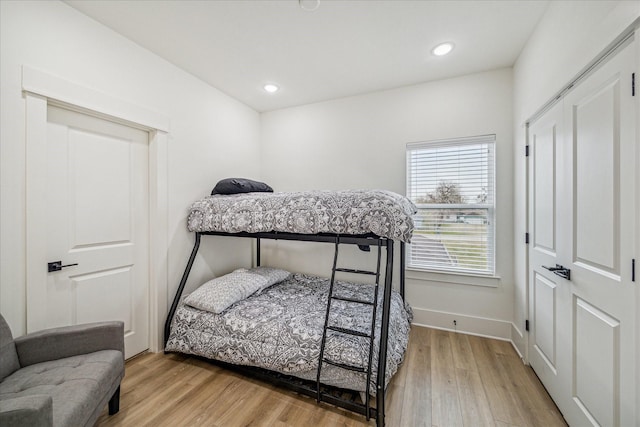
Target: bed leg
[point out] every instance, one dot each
(384, 336)
(380, 408)
(258, 257)
(402, 267)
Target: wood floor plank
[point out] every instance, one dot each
(246, 406)
(447, 379)
(328, 415)
(267, 411)
(474, 404)
(462, 353)
(222, 402)
(162, 398)
(416, 408)
(501, 424)
(145, 380)
(445, 405)
(193, 406)
(547, 403)
(473, 399)
(501, 347)
(295, 414)
(502, 404)
(533, 408)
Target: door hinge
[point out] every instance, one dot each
(633, 84)
(633, 270)
(526, 150)
(526, 238)
(526, 325)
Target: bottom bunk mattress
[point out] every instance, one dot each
(280, 329)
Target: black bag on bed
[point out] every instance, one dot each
(240, 185)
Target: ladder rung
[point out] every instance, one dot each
(349, 331)
(359, 301)
(345, 366)
(355, 271)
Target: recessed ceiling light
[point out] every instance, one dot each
(309, 5)
(271, 88)
(442, 49)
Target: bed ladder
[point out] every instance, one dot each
(370, 335)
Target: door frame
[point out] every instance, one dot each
(41, 89)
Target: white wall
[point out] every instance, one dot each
(360, 142)
(212, 136)
(566, 39)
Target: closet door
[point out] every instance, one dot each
(585, 323)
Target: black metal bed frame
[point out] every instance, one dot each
(326, 394)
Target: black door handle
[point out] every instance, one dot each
(57, 266)
(560, 271)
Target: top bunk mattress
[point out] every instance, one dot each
(354, 212)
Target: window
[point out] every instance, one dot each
(452, 184)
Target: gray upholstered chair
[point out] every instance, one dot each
(62, 376)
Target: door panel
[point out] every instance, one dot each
(93, 158)
(596, 179)
(597, 349)
(544, 188)
(544, 337)
(97, 218)
(103, 295)
(584, 328)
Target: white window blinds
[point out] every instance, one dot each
(452, 184)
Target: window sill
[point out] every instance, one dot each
(453, 278)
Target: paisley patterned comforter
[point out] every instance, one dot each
(354, 212)
(280, 329)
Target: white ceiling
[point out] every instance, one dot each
(342, 48)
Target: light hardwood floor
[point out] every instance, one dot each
(447, 380)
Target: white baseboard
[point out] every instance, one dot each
(519, 342)
(490, 328)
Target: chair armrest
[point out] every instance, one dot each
(58, 343)
(36, 410)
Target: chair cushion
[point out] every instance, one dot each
(9, 362)
(32, 411)
(76, 384)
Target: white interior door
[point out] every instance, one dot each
(583, 213)
(97, 222)
(547, 292)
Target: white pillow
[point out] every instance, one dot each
(271, 274)
(218, 294)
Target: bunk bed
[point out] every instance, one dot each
(337, 341)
